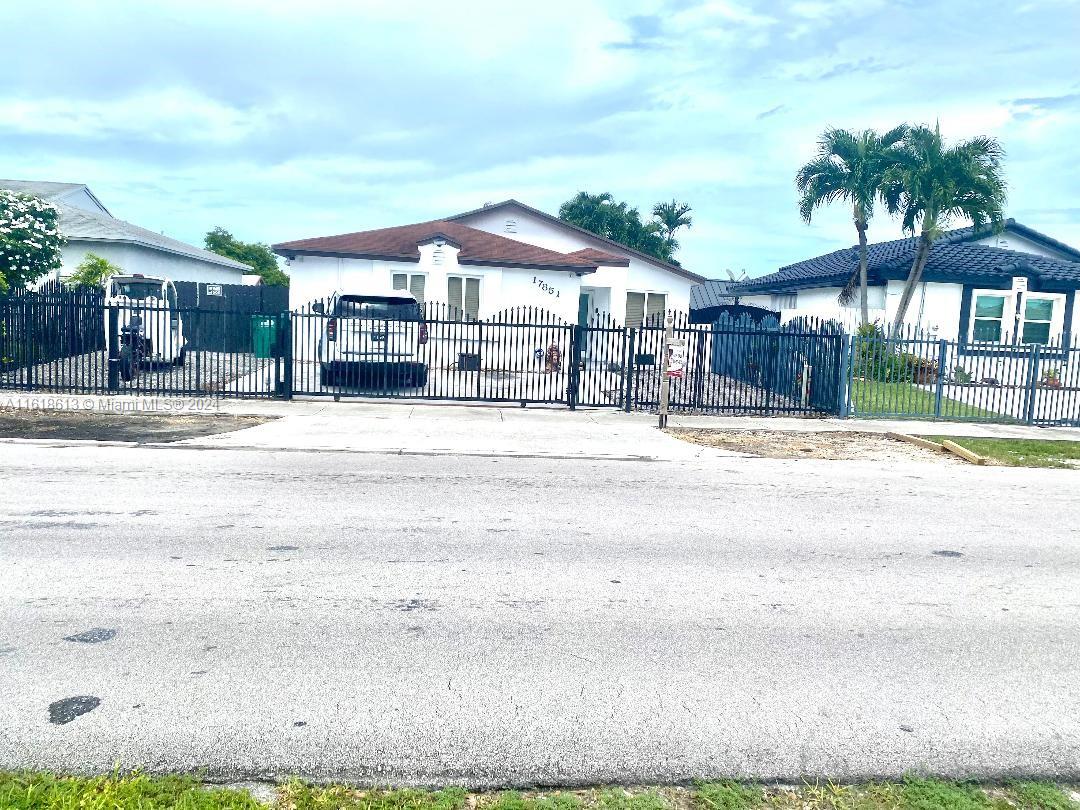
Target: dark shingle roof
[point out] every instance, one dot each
(954, 257)
(401, 244)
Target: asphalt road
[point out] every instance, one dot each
(497, 620)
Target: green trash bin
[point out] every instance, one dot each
(263, 335)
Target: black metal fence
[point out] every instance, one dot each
(915, 375)
(523, 355)
(66, 341)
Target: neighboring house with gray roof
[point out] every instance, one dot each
(1017, 286)
(89, 227)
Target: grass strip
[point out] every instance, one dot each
(1049, 453)
(42, 791)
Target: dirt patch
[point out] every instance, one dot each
(837, 446)
(123, 427)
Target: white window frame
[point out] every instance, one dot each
(645, 311)
(1057, 314)
(1013, 315)
(479, 292)
(1008, 310)
(409, 281)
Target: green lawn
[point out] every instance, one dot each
(871, 397)
(1062, 455)
(136, 792)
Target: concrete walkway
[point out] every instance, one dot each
(441, 429)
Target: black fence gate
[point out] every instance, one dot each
(73, 342)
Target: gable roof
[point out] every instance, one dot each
(954, 257)
(598, 256)
(81, 225)
(618, 248)
(402, 243)
(50, 191)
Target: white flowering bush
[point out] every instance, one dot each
(30, 239)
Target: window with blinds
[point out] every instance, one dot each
(655, 307)
(413, 282)
(463, 297)
(635, 310)
(645, 309)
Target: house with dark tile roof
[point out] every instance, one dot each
(1016, 286)
(489, 260)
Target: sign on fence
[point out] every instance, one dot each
(676, 357)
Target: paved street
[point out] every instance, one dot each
(415, 618)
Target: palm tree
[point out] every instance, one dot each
(851, 167)
(670, 216)
(939, 182)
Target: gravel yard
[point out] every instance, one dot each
(204, 372)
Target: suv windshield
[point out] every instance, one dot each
(369, 306)
(137, 290)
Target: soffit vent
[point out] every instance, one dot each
(511, 226)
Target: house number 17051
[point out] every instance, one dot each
(545, 287)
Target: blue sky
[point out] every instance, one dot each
(281, 120)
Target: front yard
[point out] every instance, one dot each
(872, 398)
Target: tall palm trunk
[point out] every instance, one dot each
(922, 255)
(864, 305)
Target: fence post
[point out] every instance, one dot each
(943, 348)
(630, 372)
(699, 370)
(847, 343)
(28, 341)
(287, 356)
(1032, 384)
(575, 360)
(114, 349)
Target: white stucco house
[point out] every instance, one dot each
(89, 227)
(1016, 286)
(489, 260)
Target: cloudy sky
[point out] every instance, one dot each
(281, 120)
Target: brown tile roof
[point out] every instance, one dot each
(671, 268)
(400, 243)
(598, 256)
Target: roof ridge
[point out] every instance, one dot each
(674, 268)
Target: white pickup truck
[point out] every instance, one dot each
(373, 339)
(151, 329)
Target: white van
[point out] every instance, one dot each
(151, 330)
(373, 338)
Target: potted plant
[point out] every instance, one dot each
(1051, 378)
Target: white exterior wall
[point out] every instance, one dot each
(501, 288)
(640, 276)
(934, 307)
(149, 262)
(1010, 240)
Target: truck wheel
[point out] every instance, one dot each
(419, 375)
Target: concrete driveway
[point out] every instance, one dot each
(520, 620)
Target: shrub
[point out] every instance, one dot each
(30, 240)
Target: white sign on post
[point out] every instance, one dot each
(676, 358)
